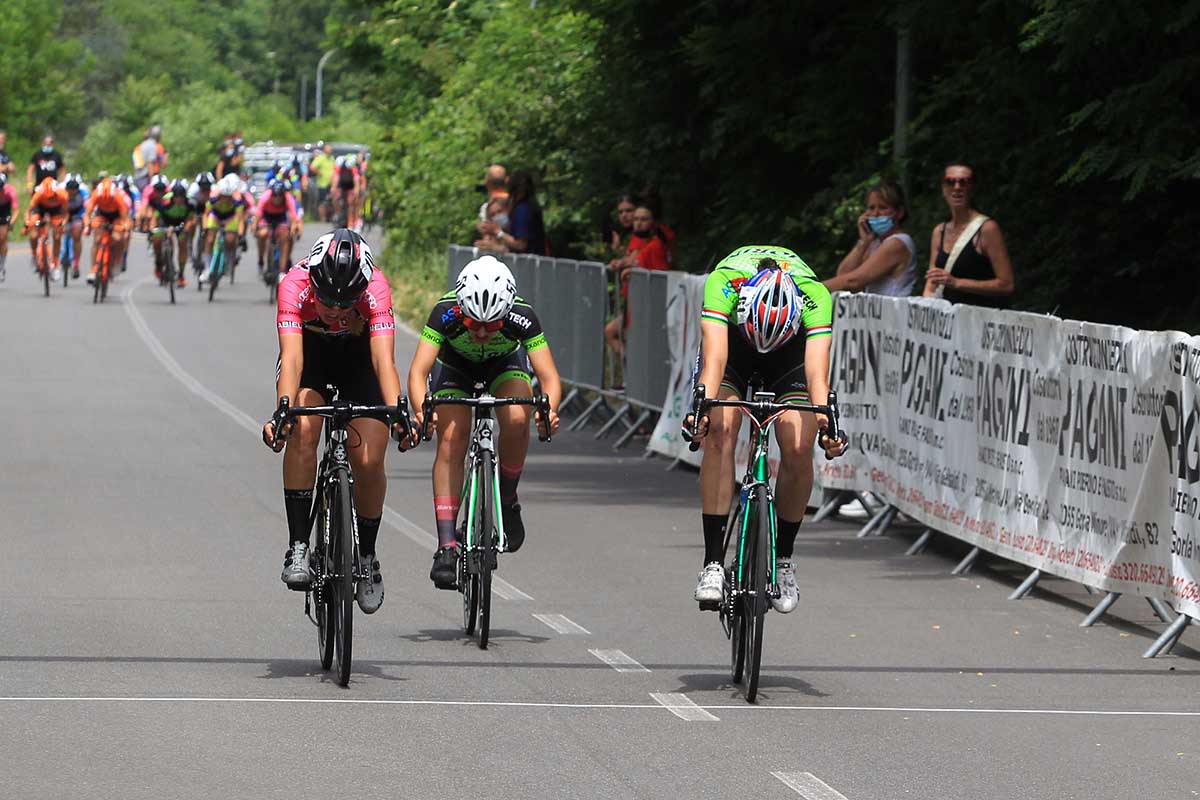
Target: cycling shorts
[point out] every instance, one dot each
(56, 216)
(5, 218)
(273, 220)
(780, 371)
(214, 222)
(345, 362)
(108, 218)
(455, 376)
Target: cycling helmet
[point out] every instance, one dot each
(295, 162)
(3, 179)
(160, 183)
(486, 289)
(351, 160)
(74, 181)
(105, 189)
(277, 187)
(228, 185)
(179, 186)
(205, 180)
(768, 310)
(340, 266)
(48, 184)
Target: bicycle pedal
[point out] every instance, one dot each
(710, 605)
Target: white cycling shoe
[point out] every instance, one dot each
(710, 586)
(369, 591)
(789, 593)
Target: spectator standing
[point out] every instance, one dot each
(968, 259)
(648, 249)
(321, 168)
(149, 158)
(6, 164)
(616, 236)
(885, 259)
(526, 231)
(496, 210)
(47, 162)
(492, 224)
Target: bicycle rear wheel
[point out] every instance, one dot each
(67, 256)
(486, 540)
(343, 580)
(755, 607)
(325, 564)
(169, 266)
(218, 267)
(44, 263)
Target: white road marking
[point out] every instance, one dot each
(760, 709)
(683, 707)
(809, 786)
(401, 523)
(560, 624)
(618, 660)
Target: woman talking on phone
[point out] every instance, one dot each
(884, 261)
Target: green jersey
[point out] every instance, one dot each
(520, 328)
(724, 282)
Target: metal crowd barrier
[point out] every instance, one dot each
(571, 299)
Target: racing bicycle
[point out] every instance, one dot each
(103, 262)
(170, 272)
(329, 601)
(482, 526)
(750, 581)
(41, 246)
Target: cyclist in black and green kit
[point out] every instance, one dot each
(172, 210)
(765, 314)
(480, 333)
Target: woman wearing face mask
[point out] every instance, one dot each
(885, 259)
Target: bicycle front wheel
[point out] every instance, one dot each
(214, 274)
(732, 605)
(342, 596)
(486, 539)
(44, 264)
(169, 266)
(755, 606)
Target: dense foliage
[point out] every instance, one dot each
(757, 120)
(764, 121)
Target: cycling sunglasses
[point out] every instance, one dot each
(490, 327)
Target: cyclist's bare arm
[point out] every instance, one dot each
(816, 373)
(714, 353)
(291, 365)
(547, 374)
(383, 359)
(418, 376)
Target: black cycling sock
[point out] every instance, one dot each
(714, 537)
(368, 529)
(298, 505)
(785, 537)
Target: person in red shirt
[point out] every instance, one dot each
(648, 249)
(10, 206)
(50, 202)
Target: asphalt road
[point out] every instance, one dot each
(149, 649)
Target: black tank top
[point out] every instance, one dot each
(973, 265)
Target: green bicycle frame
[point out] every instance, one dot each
(761, 471)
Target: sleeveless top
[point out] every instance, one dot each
(971, 264)
(896, 285)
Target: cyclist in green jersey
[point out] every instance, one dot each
(173, 210)
(480, 333)
(765, 314)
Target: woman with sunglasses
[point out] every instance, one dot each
(335, 327)
(480, 333)
(976, 271)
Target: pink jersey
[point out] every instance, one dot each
(150, 200)
(272, 206)
(298, 309)
(9, 204)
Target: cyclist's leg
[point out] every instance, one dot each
(284, 232)
(4, 226)
(514, 445)
(77, 242)
(56, 233)
(120, 246)
(261, 235)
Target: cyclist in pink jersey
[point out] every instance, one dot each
(277, 210)
(10, 205)
(335, 327)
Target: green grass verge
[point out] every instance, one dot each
(418, 279)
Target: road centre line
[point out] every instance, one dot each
(401, 523)
(759, 709)
(618, 660)
(560, 624)
(809, 786)
(683, 707)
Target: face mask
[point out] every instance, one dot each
(880, 225)
(47, 149)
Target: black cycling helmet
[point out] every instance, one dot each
(277, 187)
(340, 266)
(179, 187)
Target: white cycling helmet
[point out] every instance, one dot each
(486, 289)
(229, 184)
(768, 310)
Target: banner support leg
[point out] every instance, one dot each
(606, 427)
(1026, 586)
(1169, 637)
(968, 561)
(830, 506)
(1160, 609)
(870, 526)
(673, 464)
(1103, 606)
(1089, 589)
(628, 434)
(919, 545)
(881, 529)
(582, 419)
(570, 398)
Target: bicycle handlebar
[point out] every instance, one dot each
(701, 404)
(389, 415)
(541, 405)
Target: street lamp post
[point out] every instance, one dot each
(320, 76)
